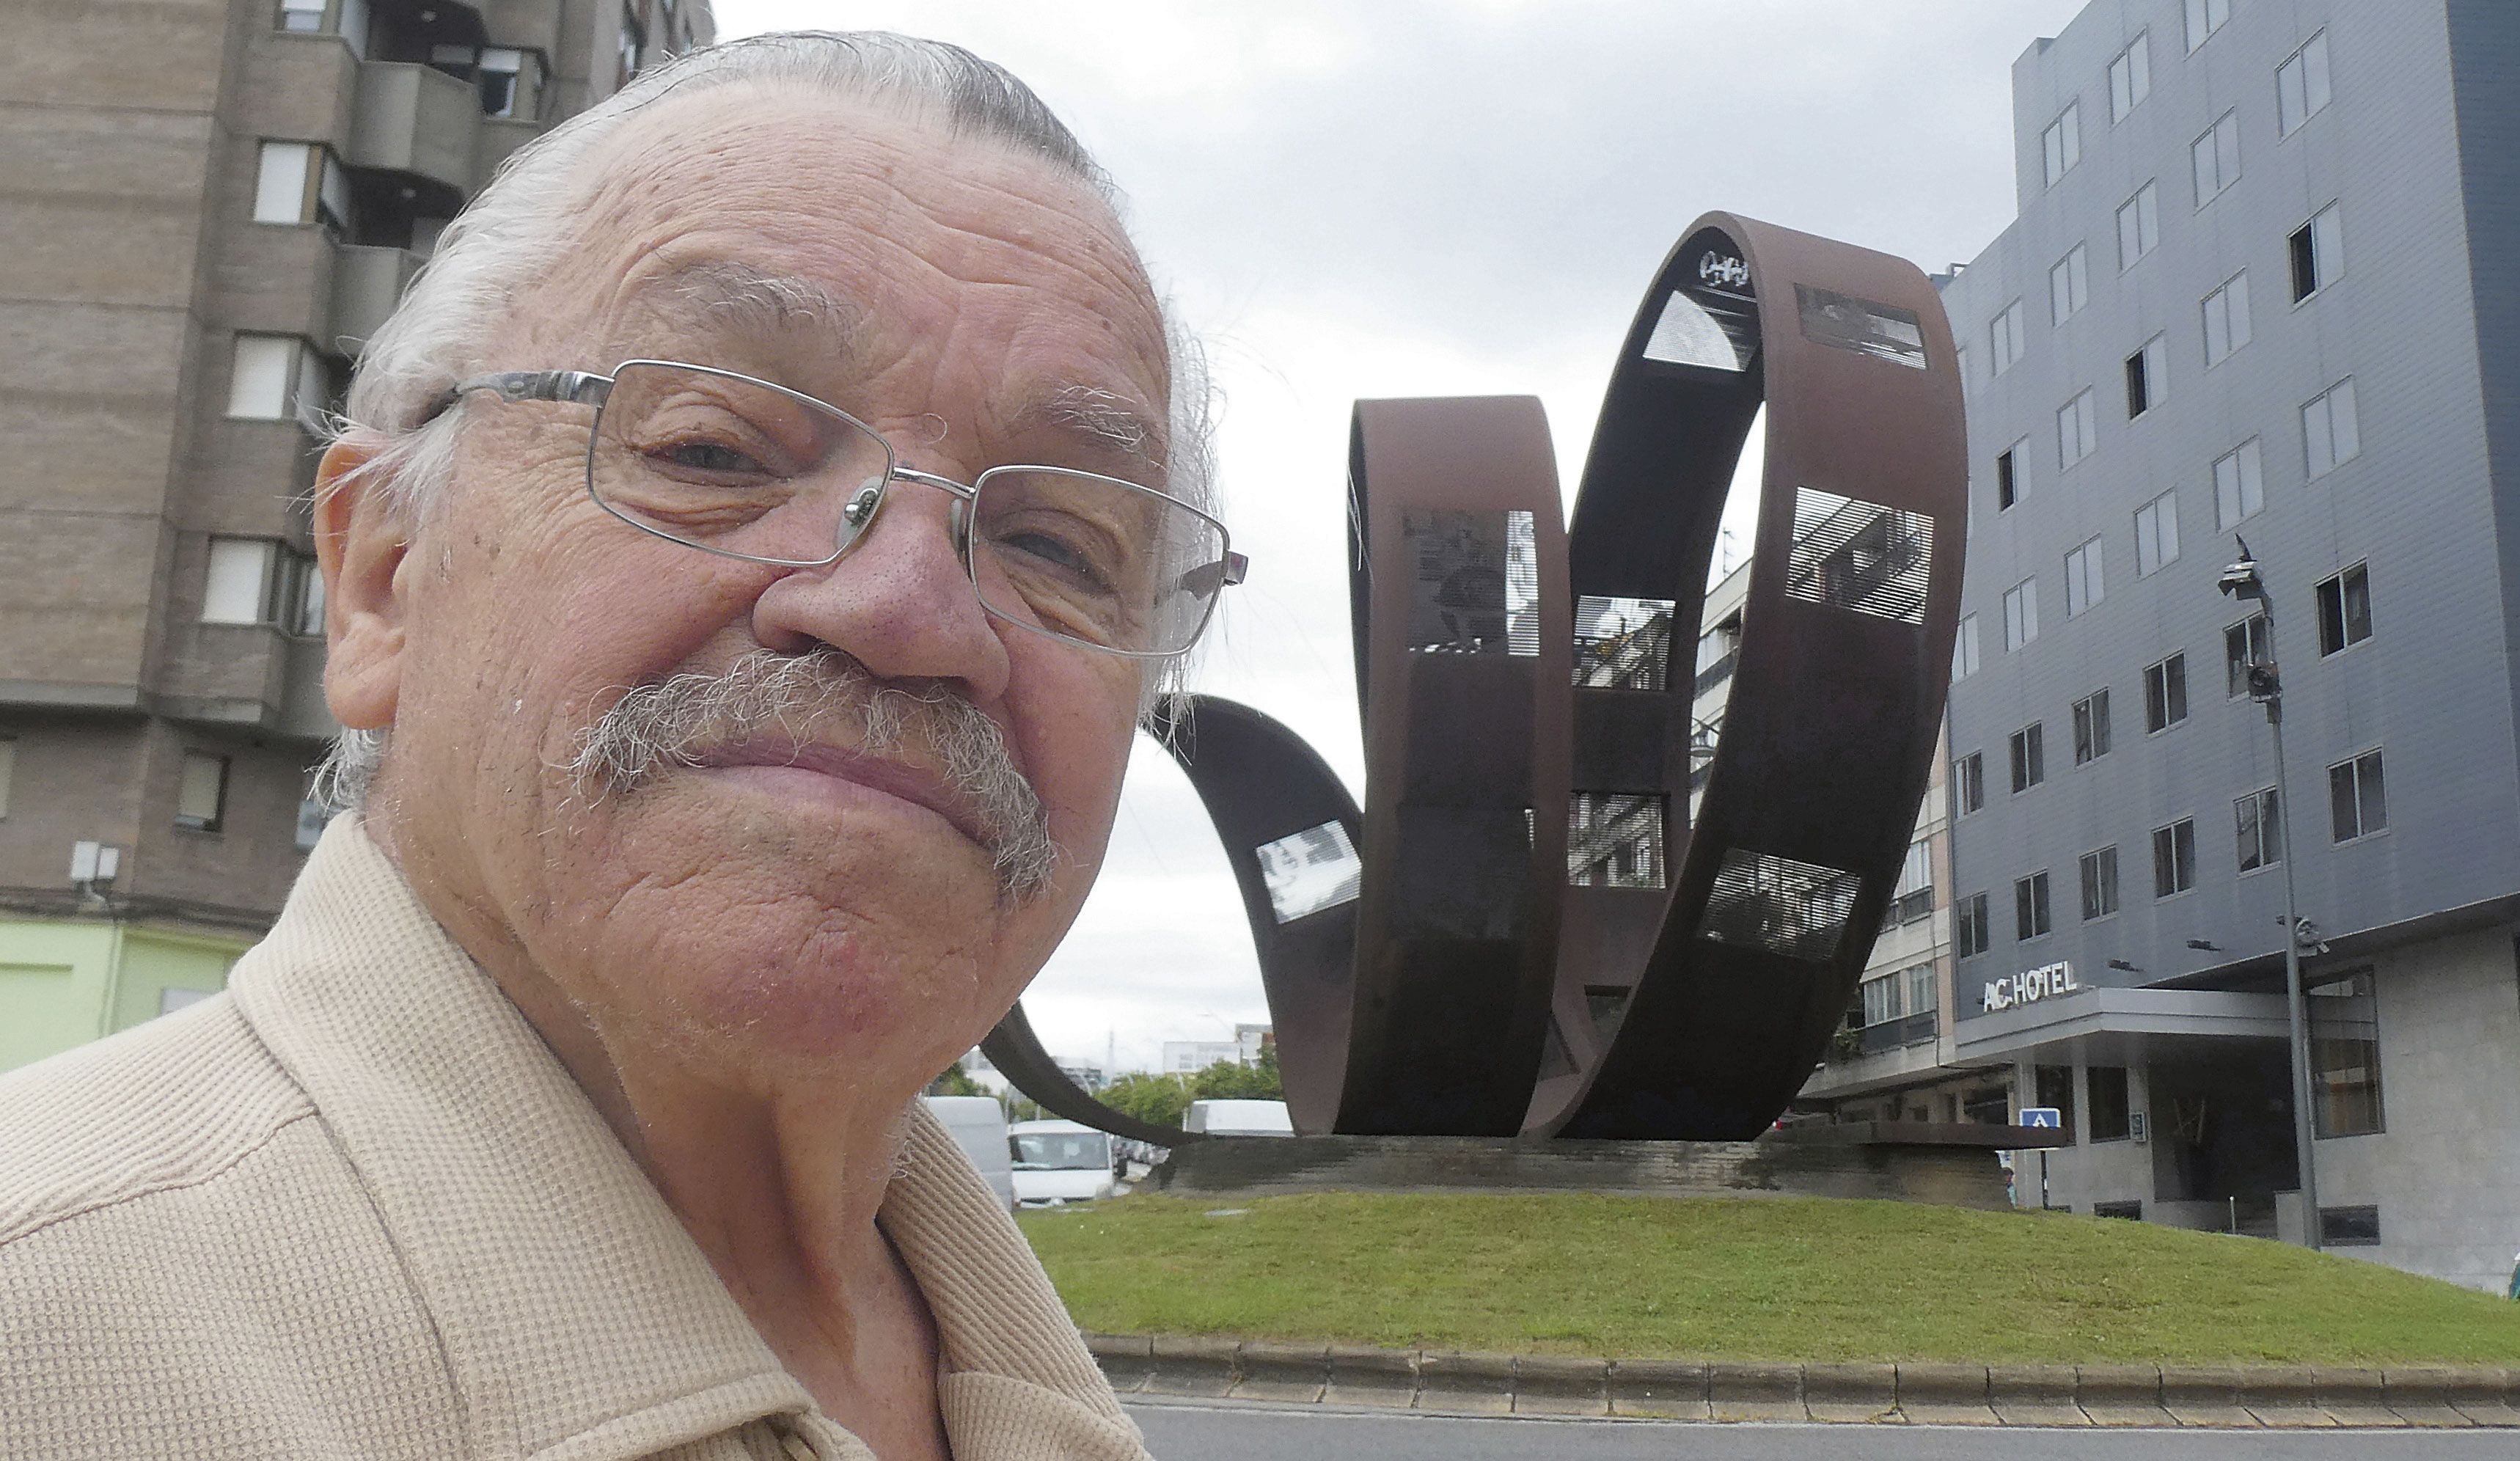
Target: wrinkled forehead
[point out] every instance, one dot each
(824, 243)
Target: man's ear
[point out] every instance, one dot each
(360, 541)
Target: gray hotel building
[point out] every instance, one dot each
(204, 207)
(2264, 284)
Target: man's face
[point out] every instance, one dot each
(757, 916)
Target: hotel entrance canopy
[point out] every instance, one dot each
(2110, 1027)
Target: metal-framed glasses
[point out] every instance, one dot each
(746, 469)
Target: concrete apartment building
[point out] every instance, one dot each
(2261, 282)
(204, 207)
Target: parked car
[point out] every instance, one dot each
(978, 1126)
(1238, 1119)
(1059, 1161)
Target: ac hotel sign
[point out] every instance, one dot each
(2030, 986)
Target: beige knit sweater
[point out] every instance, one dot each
(354, 1208)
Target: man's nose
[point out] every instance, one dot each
(900, 600)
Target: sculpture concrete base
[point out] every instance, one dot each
(1897, 1162)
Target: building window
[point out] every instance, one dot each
(2244, 644)
(280, 188)
(1964, 648)
(242, 584)
(2214, 158)
(2069, 285)
(2156, 533)
(2173, 857)
(1969, 920)
(511, 82)
(2344, 609)
(2147, 377)
(2100, 884)
(2006, 337)
(2111, 1109)
(1913, 896)
(2204, 17)
(277, 378)
(2008, 478)
(2317, 249)
(2129, 76)
(2056, 1087)
(201, 796)
(2078, 428)
(1969, 773)
(2062, 143)
(2258, 834)
(2344, 1054)
(306, 17)
(2164, 693)
(2227, 319)
(2331, 432)
(2239, 486)
(2358, 799)
(2020, 614)
(2139, 226)
(2090, 727)
(2084, 583)
(2029, 756)
(2350, 1227)
(2129, 1208)
(2030, 907)
(2301, 86)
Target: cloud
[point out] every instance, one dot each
(1413, 198)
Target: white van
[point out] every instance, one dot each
(1238, 1119)
(1059, 1161)
(978, 1126)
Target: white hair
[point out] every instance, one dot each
(502, 244)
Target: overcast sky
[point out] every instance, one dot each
(1410, 197)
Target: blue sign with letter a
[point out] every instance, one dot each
(2042, 1115)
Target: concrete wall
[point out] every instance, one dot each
(65, 982)
(2445, 1171)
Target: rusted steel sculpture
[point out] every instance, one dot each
(1520, 950)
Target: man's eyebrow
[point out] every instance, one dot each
(1105, 421)
(762, 304)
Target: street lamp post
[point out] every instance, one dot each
(2266, 686)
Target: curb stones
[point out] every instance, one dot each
(2353, 1397)
(2422, 1395)
(2203, 1395)
(2121, 1395)
(1851, 1392)
(2283, 1396)
(1469, 1384)
(1127, 1359)
(1755, 1391)
(1288, 1373)
(1197, 1367)
(1944, 1394)
(1384, 1378)
(2034, 1395)
(1659, 1388)
(1560, 1385)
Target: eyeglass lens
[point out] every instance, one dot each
(741, 468)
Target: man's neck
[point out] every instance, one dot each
(778, 1188)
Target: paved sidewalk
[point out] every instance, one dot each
(1941, 1394)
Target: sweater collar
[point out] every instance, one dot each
(573, 1310)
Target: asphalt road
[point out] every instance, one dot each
(1230, 1432)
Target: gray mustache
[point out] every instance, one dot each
(824, 694)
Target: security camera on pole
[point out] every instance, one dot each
(2266, 686)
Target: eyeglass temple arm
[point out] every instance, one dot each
(581, 387)
(1214, 576)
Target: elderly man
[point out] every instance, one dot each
(749, 552)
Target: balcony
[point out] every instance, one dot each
(368, 281)
(1906, 908)
(1897, 1035)
(417, 120)
(1718, 672)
